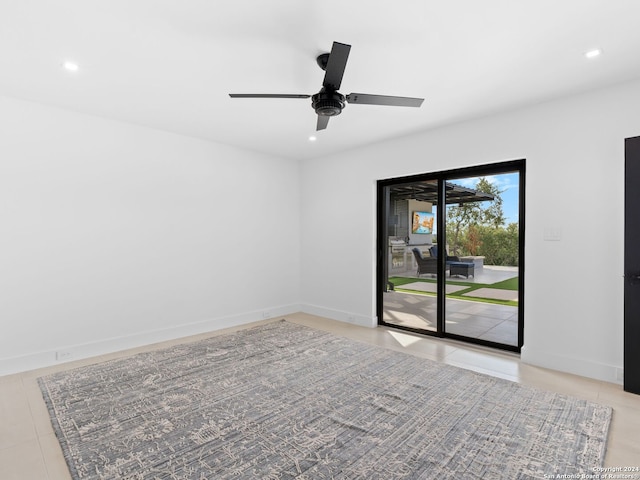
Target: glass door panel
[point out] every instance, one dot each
(410, 273)
(482, 258)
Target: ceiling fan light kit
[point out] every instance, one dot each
(328, 102)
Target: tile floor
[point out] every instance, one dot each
(486, 321)
(30, 451)
(494, 323)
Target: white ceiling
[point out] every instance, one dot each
(170, 64)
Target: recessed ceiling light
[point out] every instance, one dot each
(593, 53)
(70, 66)
(312, 138)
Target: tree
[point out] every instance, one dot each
(473, 240)
(500, 246)
(474, 214)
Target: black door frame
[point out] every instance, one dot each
(382, 244)
(631, 267)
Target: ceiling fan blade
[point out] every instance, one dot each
(335, 66)
(267, 95)
(366, 99)
(323, 121)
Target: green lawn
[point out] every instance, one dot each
(510, 284)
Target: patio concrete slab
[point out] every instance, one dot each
(464, 317)
(494, 293)
(431, 287)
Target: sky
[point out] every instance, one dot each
(508, 183)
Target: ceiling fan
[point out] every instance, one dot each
(328, 102)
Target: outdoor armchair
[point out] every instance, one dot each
(425, 264)
(433, 251)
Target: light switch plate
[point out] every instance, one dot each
(552, 234)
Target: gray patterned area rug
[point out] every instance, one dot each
(283, 401)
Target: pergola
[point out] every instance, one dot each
(428, 192)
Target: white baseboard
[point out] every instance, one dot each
(576, 366)
(32, 361)
(35, 360)
(348, 317)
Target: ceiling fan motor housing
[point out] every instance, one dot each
(328, 104)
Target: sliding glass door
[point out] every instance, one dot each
(451, 254)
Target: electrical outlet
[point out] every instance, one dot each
(266, 315)
(63, 355)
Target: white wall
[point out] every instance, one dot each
(113, 235)
(574, 149)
